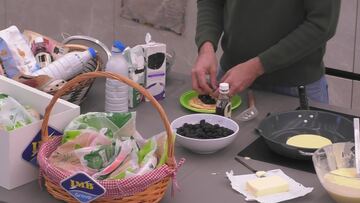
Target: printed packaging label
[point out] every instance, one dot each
(82, 187)
(31, 151)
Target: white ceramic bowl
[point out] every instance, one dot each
(205, 146)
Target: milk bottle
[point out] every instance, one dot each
(116, 92)
(68, 66)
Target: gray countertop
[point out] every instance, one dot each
(202, 177)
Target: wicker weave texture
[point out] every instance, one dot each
(152, 194)
(159, 178)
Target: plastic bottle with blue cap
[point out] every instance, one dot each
(68, 66)
(116, 92)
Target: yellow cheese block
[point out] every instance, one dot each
(308, 141)
(267, 186)
(344, 177)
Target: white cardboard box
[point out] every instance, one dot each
(14, 170)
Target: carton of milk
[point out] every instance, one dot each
(155, 67)
(135, 59)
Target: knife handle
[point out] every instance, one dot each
(304, 105)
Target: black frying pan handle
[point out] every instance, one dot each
(304, 105)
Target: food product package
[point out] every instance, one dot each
(35, 114)
(122, 151)
(135, 58)
(68, 156)
(15, 53)
(155, 67)
(107, 146)
(127, 168)
(2, 72)
(41, 82)
(55, 48)
(13, 115)
(147, 151)
(162, 147)
(115, 125)
(138, 162)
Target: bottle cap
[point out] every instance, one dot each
(92, 52)
(39, 40)
(224, 87)
(119, 45)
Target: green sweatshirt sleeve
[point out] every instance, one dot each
(209, 22)
(319, 26)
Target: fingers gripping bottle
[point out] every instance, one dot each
(116, 92)
(223, 103)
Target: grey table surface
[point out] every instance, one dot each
(202, 177)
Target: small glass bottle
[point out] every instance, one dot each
(42, 56)
(223, 103)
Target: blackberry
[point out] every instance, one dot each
(203, 130)
(207, 99)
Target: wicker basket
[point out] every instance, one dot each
(78, 94)
(149, 187)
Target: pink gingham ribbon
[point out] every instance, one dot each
(114, 188)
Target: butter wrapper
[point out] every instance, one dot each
(238, 183)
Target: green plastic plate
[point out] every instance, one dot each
(186, 96)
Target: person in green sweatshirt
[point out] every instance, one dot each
(274, 45)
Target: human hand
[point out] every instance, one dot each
(206, 64)
(242, 75)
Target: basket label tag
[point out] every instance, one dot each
(30, 152)
(82, 187)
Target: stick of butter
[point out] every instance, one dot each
(267, 186)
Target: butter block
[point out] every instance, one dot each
(267, 186)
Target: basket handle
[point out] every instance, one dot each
(142, 90)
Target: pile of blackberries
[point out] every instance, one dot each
(203, 130)
(207, 99)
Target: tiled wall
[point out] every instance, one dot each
(343, 53)
(356, 95)
(357, 47)
(340, 49)
(356, 84)
(340, 91)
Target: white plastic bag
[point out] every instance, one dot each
(15, 53)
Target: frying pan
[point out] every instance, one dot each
(276, 128)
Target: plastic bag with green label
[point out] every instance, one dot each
(138, 163)
(66, 155)
(12, 114)
(113, 125)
